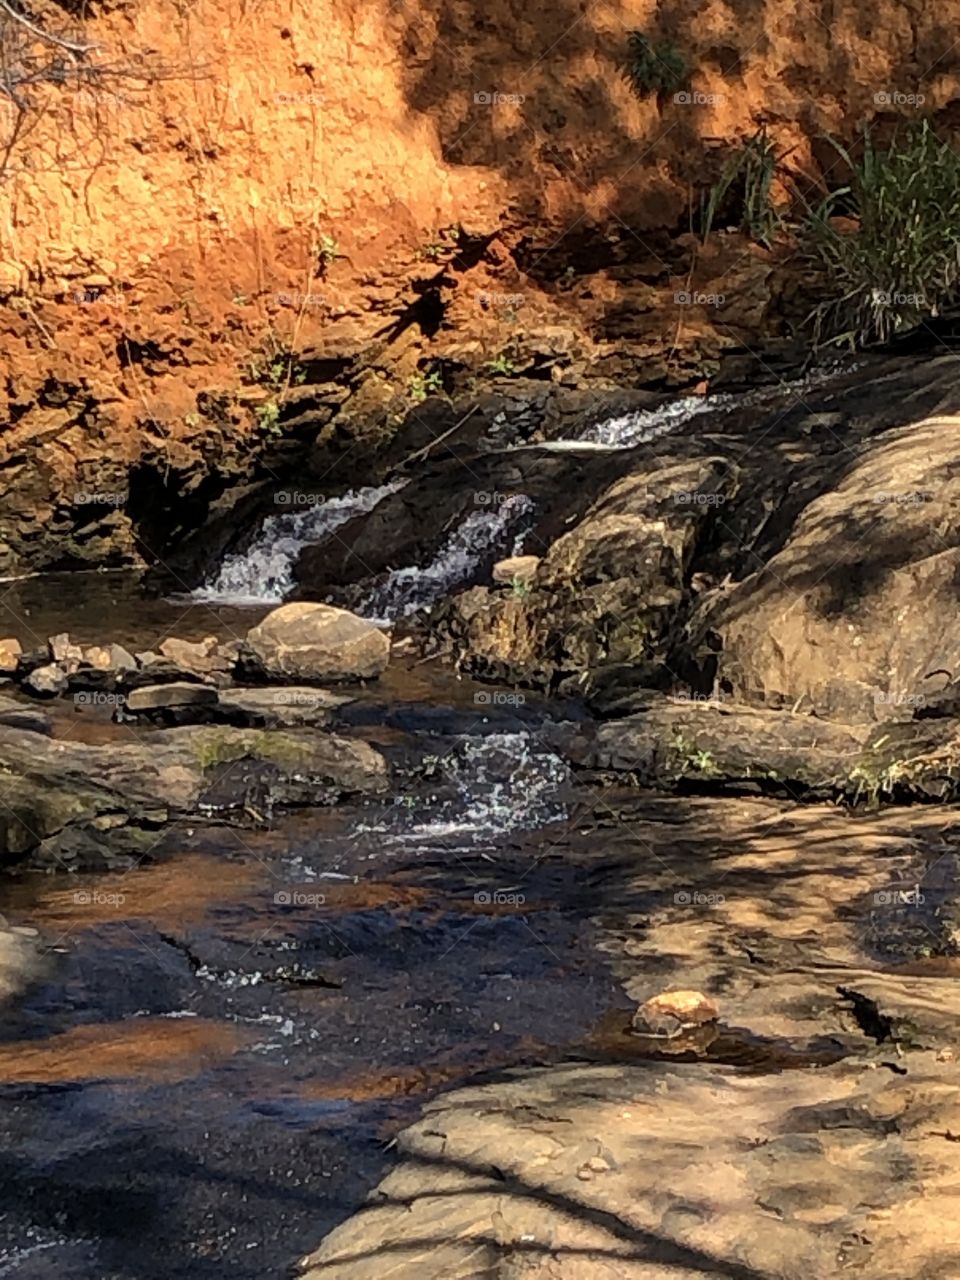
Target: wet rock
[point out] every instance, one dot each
(17, 716)
(22, 960)
(287, 706)
(10, 652)
(516, 569)
(109, 658)
(317, 642)
(71, 803)
(64, 651)
(672, 1012)
(163, 697)
(47, 681)
(206, 658)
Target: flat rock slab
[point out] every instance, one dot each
(656, 1172)
(160, 697)
(287, 706)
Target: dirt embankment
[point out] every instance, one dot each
(387, 191)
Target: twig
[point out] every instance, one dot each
(419, 453)
(69, 45)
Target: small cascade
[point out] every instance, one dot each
(484, 535)
(263, 573)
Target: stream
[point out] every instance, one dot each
(233, 1032)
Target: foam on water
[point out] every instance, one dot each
(496, 532)
(504, 782)
(643, 425)
(263, 574)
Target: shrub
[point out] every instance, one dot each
(746, 181)
(654, 68)
(900, 263)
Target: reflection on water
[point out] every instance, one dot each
(145, 1048)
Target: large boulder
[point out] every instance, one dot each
(855, 617)
(316, 642)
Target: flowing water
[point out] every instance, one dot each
(211, 1077)
(482, 535)
(263, 573)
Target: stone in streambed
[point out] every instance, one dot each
(10, 651)
(672, 1012)
(316, 642)
(109, 657)
(285, 707)
(207, 658)
(47, 681)
(164, 697)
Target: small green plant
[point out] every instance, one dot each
(747, 180)
(422, 385)
(446, 241)
(654, 68)
(268, 417)
(502, 364)
(327, 251)
(519, 587)
(896, 259)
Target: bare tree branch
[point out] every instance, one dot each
(44, 35)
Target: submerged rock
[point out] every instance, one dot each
(317, 642)
(22, 960)
(672, 1012)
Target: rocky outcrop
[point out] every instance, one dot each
(316, 642)
(71, 804)
(855, 618)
